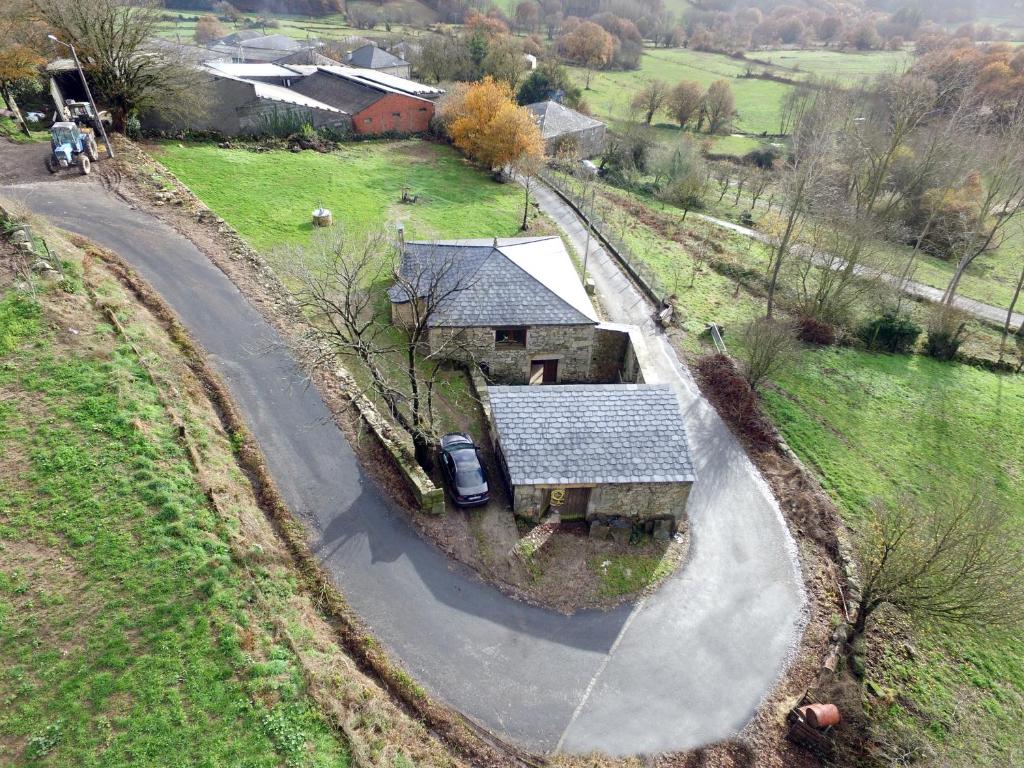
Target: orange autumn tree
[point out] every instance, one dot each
(18, 61)
(487, 125)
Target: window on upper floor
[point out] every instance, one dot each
(510, 337)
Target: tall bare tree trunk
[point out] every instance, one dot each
(1009, 315)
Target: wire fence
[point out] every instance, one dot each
(583, 200)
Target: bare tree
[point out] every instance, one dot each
(876, 135)
(1001, 172)
(808, 165)
(837, 264)
(769, 346)
(112, 38)
(958, 561)
(760, 180)
(338, 280)
(650, 99)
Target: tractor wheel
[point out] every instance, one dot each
(83, 165)
(92, 150)
(51, 165)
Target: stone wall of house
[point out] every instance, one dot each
(631, 502)
(571, 345)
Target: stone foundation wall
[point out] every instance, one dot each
(571, 345)
(630, 502)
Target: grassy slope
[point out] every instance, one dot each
(9, 130)
(269, 196)
(123, 617)
(877, 425)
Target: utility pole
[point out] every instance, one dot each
(88, 93)
(586, 250)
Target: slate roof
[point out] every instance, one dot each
(587, 433)
(556, 119)
(372, 57)
(518, 281)
(277, 93)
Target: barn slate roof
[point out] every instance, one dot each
(372, 57)
(591, 433)
(513, 282)
(556, 119)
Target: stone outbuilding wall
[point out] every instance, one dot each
(632, 503)
(615, 359)
(570, 345)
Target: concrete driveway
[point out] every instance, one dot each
(686, 667)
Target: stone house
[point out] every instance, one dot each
(614, 455)
(562, 127)
(519, 311)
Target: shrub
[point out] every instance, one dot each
(815, 331)
(763, 157)
(735, 401)
(890, 333)
(768, 347)
(946, 332)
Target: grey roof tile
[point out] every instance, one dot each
(372, 57)
(609, 433)
(493, 290)
(556, 119)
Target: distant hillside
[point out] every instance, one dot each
(295, 7)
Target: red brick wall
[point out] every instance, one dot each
(394, 112)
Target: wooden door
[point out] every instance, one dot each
(569, 503)
(544, 372)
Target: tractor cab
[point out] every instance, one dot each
(66, 136)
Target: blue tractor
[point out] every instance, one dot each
(70, 145)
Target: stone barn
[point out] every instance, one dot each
(520, 311)
(614, 455)
(564, 128)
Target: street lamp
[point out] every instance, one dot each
(88, 93)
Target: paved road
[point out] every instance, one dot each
(985, 312)
(685, 668)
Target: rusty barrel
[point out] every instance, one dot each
(820, 715)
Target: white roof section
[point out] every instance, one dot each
(384, 81)
(547, 261)
(251, 69)
(278, 93)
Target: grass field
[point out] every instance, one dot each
(757, 101)
(331, 27)
(846, 66)
(129, 634)
(269, 196)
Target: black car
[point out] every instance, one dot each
(463, 470)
